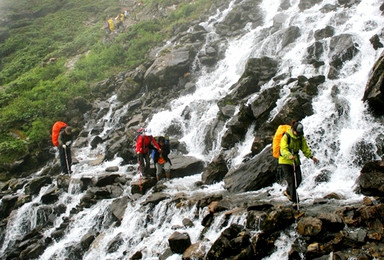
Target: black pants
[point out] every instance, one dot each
(144, 164)
(290, 178)
(65, 159)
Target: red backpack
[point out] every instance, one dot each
(56, 131)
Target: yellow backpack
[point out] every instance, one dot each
(277, 138)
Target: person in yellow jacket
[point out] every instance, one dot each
(291, 143)
(111, 25)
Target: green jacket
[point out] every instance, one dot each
(296, 143)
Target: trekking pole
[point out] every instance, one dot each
(297, 195)
(66, 159)
(140, 174)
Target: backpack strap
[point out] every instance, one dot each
(289, 141)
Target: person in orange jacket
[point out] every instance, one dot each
(144, 142)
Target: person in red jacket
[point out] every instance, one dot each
(144, 142)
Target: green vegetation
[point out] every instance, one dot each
(41, 36)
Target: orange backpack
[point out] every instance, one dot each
(277, 138)
(56, 131)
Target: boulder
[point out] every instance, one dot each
(63, 182)
(185, 165)
(277, 219)
(371, 179)
(179, 242)
(326, 32)
(51, 195)
(7, 205)
(309, 226)
(257, 173)
(142, 185)
(169, 67)
(118, 206)
(229, 243)
(127, 90)
(156, 198)
(215, 171)
(342, 48)
(374, 89)
(195, 251)
(33, 188)
(106, 179)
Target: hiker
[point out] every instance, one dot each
(65, 141)
(111, 25)
(161, 159)
(126, 13)
(144, 142)
(292, 141)
(106, 27)
(119, 20)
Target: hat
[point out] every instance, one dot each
(148, 131)
(68, 130)
(298, 128)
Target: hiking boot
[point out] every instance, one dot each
(287, 195)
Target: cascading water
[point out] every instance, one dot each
(332, 131)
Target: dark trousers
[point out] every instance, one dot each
(290, 178)
(65, 159)
(144, 164)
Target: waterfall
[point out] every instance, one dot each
(332, 132)
(339, 126)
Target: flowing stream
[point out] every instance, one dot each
(340, 122)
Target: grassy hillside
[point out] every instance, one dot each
(53, 50)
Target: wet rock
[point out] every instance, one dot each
(255, 174)
(194, 252)
(188, 223)
(142, 185)
(127, 90)
(331, 221)
(51, 195)
(63, 182)
(169, 67)
(306, 4)
(115, 243)
(314, 54)
(290, 35)
(96, 141)
(112, 169)
(32, 251)
(215, 171)
(87, 240)
(33, 188)
(371, 179)
(185, 166)
(374, 89)
(277, 219)
(179, 242)
(137, 256)
(237, 127)
(326, 32)
(263, 244)
(228, 243)
(85, 182)
(7, 205)
(155, 198)
(376, 42)
(118, 207)
(309, 226)
(342, 48)
(107, 179)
